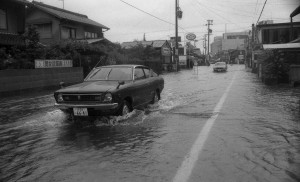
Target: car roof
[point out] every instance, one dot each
(122, 65)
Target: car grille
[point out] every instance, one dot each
(81, 97)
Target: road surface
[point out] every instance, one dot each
(207, 127)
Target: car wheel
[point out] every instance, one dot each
(125, 109)
(155, 97)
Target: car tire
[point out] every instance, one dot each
(156, 97)
(125, 108)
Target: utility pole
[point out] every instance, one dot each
(176, 36)
(204, 45)
(209, 22)
(178, 14)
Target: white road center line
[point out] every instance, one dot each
(186, 168)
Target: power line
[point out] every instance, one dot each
(150, 14)
(255, 10)
(261, 11)
(216, 13)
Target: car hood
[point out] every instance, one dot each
(91, 87)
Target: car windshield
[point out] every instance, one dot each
(220, 63)
(118, 74)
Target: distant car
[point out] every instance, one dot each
(111, 90)
(220, 66)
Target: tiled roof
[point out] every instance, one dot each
(153, 43)
(295, 12)
(11, 39)
(25, 2)
(128, 45)
(93, 41)
(158, 43)
(68, 15)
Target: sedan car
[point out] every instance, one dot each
(220, 66)
(111, 90)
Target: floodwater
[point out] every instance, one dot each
(256, 136)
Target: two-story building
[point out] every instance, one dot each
(163, 46)
(283, 39)
(12, 22)
(56, 24)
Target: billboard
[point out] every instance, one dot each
(178, 39)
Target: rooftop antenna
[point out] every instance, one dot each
(63, 3)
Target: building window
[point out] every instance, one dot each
(45, 30)
(68, 33)
(90, 35)
(266, 38)
(3, 19)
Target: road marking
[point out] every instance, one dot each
(191, 158)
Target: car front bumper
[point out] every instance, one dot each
(220, 69)
(94, 106)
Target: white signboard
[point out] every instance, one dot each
(53, 63)
(241, 56)
(166, 51)
(182, 60)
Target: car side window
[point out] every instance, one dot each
(147, 72)
(139, 74)
(153, 74)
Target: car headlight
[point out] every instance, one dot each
(107, 97)
(60, 98)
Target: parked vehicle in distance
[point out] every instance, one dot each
(220, 66)
(111, 90)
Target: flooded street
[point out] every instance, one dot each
(255, 135)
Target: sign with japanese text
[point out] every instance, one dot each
(53, 63)
(165, 51)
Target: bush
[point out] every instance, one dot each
(274, 67)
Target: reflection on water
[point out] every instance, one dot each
(41, 143)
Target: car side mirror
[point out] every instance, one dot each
(120, 83)
(62, 84)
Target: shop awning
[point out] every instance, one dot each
(282, 46)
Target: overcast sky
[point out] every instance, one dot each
(127, 23)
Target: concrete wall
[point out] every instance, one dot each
(17, 80)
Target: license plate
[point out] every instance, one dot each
(80, 111)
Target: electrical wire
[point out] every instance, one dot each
(217, 14)
(150, 14)
(261, 11)
(255, 10)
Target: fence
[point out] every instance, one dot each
(26, 79)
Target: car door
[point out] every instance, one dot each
(150, 84)
(139, 87)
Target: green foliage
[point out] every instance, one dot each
(83, 54)
(274, 66)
